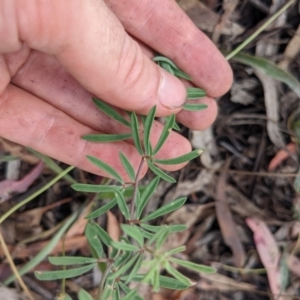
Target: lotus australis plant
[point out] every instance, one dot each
(141, 245)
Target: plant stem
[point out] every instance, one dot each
(135, 191)
(103, 279)
(259, 30)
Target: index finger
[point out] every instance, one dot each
(162, 25)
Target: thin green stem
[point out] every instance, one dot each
(34, 195)
(103, 280)
(259, 30)
(135, 191)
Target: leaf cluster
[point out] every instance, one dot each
(121, 261)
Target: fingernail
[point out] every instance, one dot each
(172, 93)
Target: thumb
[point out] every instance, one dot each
(90, 42)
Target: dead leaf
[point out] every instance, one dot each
(78, 227)
(189, 214)
(70, 244)
(11, 294)
(222, 283)
(32, 218)
(244, 207)
(226, 223)
(291, 50)
(268, 251)
(206, 19)
(242, 92)
(113, 226)
(272, 108)
(228, 7)
(293, 264)
(18, 151)
(281, 156)
(8, 188)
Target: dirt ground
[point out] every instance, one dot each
(243, 204)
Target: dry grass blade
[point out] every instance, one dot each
(13, 267)
(268, 251)
(226, 223)
(272, 108)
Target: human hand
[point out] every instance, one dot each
(54, 55)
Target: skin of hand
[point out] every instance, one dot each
(55, 55)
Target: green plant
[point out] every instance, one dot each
(122, 261)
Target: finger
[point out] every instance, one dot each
(45, 78)
(26, 120)
(90, 42)
(167, 29)
(199, 120)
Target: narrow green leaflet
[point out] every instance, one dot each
(106, 138)
(125, 246)
(172, 228)
(116, 293)
(127, 290)
(160, 173)
(160, 58)
(91, 234)
(176, 126)
(127, 166)
(162, 238)
(146, 234)
(134, 232)
(136, 133)
(147, 129)
(125, 267)
(71, 260)
(65, 297)
(122, 258)
(128, 193)
(195, 93)
(108, 110)
(167, 67)
(135, 269)
(165, 133)
(180, 159)
(54, 275)
(122, 204)
(175, 251)
(156, 285)
(105, 167)
(194, 106)
(102, 210)
(161, 234)
(84, 295)
(193, 266)
(164, 282)
(181, 74)
(103, 235)
(165, 209)
(130, 295)
(180, 277)
(107, 293)
(146, 195)
(94, 188)
(270, 69)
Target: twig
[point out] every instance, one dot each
(13, 267)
